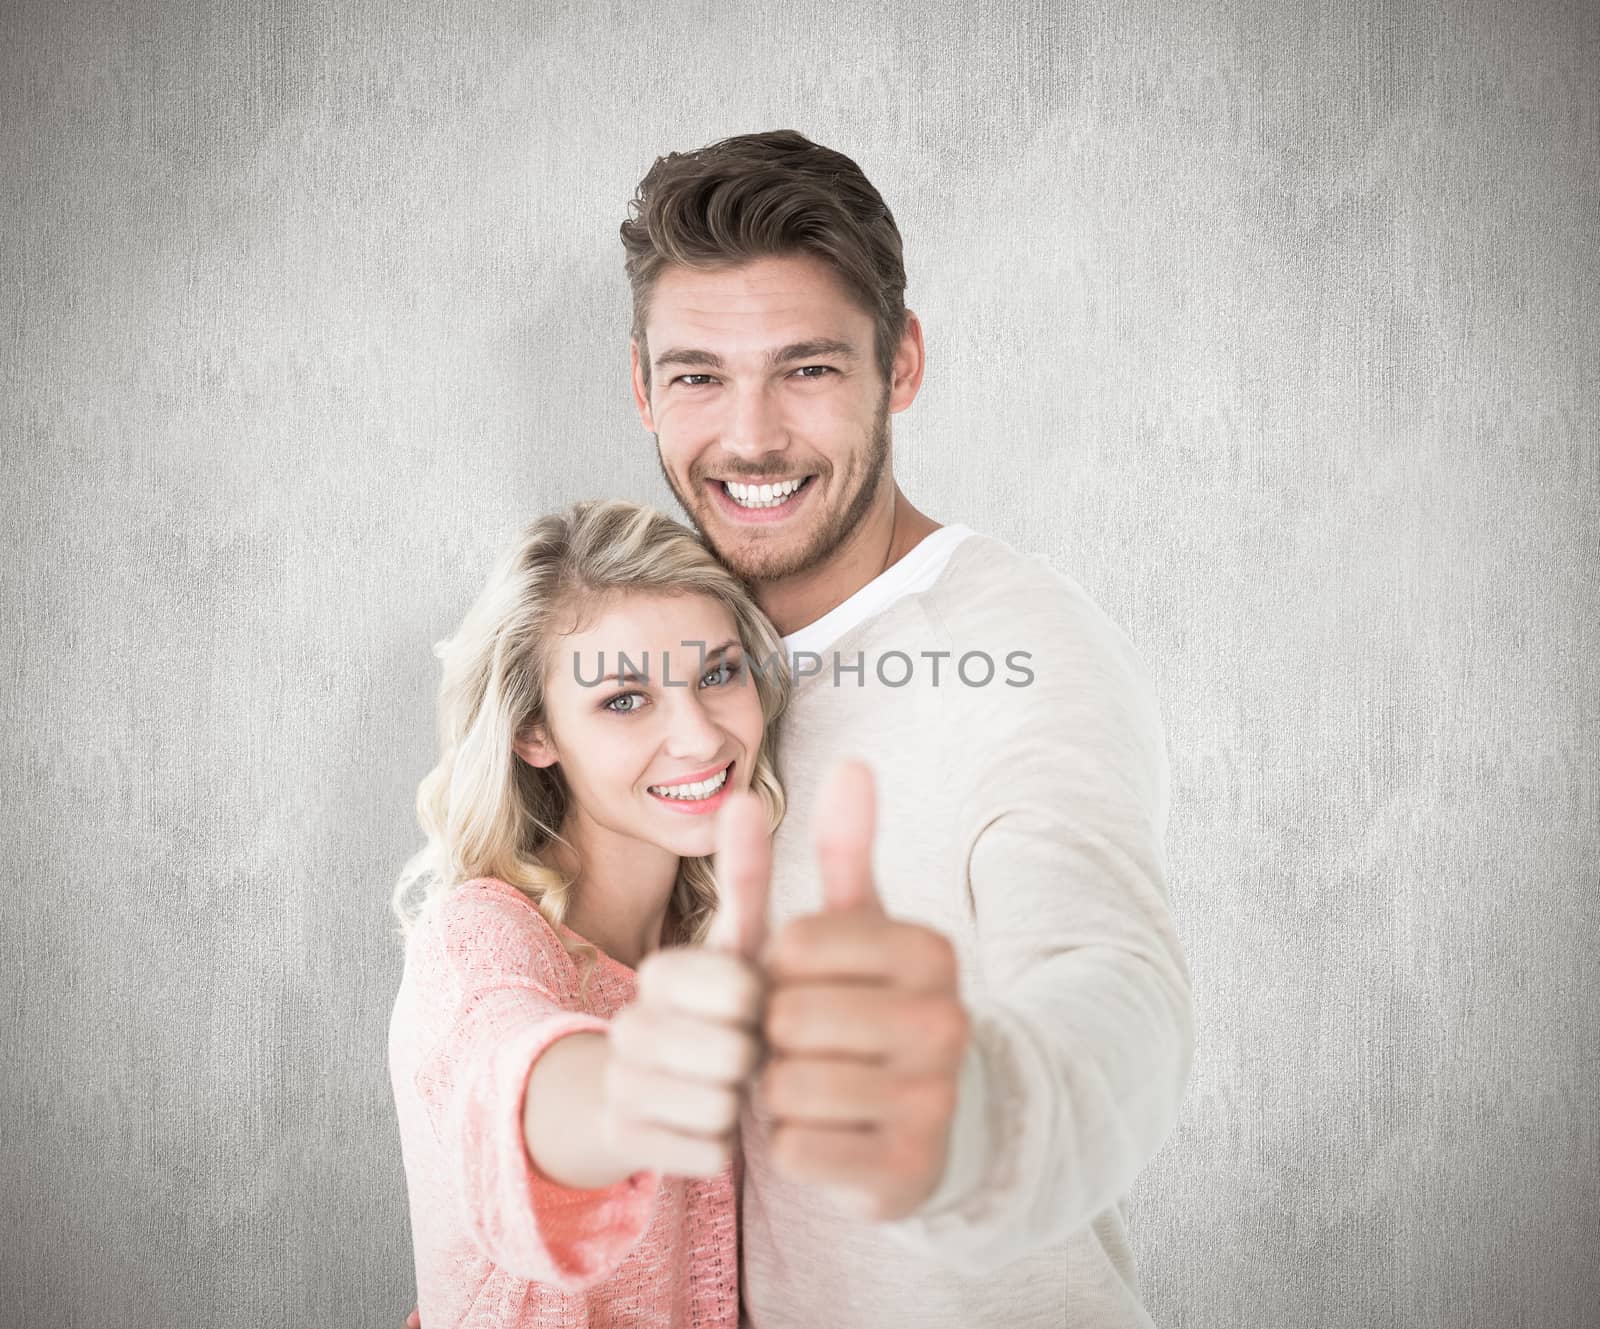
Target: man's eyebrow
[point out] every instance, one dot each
(687, 355)
(694, 358)
(824, 347)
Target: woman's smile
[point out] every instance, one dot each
(698, 794)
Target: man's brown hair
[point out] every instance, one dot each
(767, 195)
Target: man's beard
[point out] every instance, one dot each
(759, 565)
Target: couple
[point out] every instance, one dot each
(922, 1098)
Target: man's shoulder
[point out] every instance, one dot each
(1055, 650)
(990, 585)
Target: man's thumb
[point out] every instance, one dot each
(743, 866)
(845, 822)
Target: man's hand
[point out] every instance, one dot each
(680, 1053)
(865, 1029)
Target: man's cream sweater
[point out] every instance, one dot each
(1022, 786)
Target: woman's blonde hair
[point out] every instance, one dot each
(485, 811)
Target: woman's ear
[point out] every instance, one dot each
(534, 747)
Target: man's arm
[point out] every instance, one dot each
(992, 1146)
(1082, 1046)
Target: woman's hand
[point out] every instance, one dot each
(677, 1059)
(679, 1055)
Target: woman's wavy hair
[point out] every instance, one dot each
(488, 813)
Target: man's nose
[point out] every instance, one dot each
(754, 425)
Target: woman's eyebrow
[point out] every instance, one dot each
(635, 676)
(627, 672)
(717, 652)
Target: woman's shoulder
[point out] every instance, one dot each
(487, 926)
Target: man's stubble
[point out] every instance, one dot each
(827, 538)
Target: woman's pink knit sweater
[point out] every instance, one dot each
(487, 987)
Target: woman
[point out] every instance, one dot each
(566, 1088)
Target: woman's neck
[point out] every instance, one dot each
(622, 888)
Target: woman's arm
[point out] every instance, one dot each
(566, 1086)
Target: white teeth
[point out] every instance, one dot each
(691, 792)
(760, 496)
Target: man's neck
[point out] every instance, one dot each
(890, 532)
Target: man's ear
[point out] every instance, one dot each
(535, 748)
(641, 394)
(905, 373)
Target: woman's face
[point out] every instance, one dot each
(652, 754)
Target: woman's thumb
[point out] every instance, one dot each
(743, 866)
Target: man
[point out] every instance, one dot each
(979, 1020)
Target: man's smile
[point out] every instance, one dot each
(759, 504)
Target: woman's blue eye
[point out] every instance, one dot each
(726, 673)
(612, 706)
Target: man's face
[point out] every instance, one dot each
(764, 374)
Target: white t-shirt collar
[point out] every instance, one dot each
(917, 571)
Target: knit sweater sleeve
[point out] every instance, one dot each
(1083, 1037)
(504, 991)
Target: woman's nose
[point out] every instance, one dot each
(692, 733)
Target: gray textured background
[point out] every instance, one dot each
(1275, 326)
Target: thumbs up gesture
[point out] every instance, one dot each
(865, 1029)
(679, 1053)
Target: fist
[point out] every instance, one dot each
(865, 1028)
(676, 1059)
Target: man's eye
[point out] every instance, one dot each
(814, 371)
(693, 380)
(612, 706)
